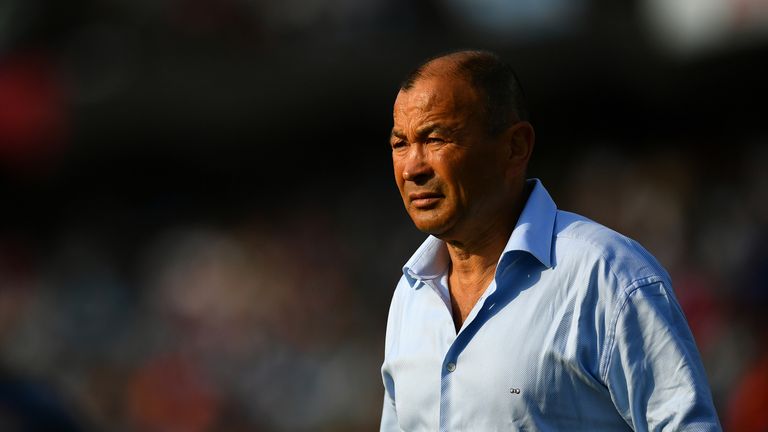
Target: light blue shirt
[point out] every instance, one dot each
(579, 331)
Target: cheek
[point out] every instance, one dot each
(469, 178)
(452, 175)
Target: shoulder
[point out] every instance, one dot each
(581, 244)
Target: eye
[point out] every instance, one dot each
(398, 144)
(434, 140)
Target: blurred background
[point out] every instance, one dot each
(199, 228)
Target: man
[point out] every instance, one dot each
(514, 315)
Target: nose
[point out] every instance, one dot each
(416, 168)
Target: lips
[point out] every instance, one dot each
(423, 200)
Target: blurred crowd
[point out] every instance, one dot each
(270, 325)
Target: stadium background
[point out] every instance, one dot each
(199, 230)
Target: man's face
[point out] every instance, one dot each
(448, 169)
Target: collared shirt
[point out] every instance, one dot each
(579, 331)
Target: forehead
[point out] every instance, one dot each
(436, 96)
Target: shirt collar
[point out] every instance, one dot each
(428, 262)
(532, 234)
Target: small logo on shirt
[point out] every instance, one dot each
(514, 390)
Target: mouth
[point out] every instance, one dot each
(424, 200)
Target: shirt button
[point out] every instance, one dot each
(451, 367)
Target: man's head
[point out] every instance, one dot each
(502, 97)
(460, 143)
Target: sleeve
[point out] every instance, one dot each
(389, 421)
(389, 412)
(653, 370)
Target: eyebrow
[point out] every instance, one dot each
(397, 134)
(424, 131)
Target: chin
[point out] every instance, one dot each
(431, 226)
(435, 231)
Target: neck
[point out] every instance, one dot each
(473, 263)
(474, 258)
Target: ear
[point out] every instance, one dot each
(520, 138)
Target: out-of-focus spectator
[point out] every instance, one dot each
(746, 408)
(33, 117)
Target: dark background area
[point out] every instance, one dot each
(199, 229)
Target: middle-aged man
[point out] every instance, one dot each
(514, 315)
